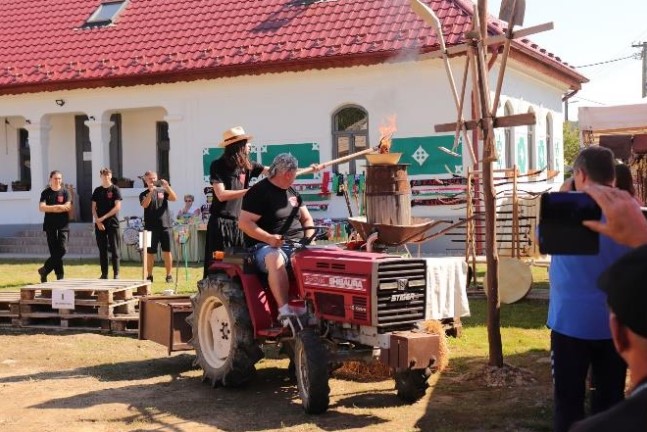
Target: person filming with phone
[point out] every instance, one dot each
(157, 220)
(578, 314)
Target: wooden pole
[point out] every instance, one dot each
(487, 133)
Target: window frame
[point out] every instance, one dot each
(351, 135)
(94, 20)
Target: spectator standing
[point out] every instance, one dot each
(578, 316)
(106, 204)
(56, 204)
(624, 284)
(625, 181)
(230, 177)
(189, 209)
(157, 220)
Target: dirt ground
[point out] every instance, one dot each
(92, 382)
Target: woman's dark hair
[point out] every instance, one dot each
(236, 155)
(624, 179)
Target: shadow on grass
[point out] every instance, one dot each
(467, 401)
(270, 401)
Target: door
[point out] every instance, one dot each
(83, 169)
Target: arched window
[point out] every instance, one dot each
(349, 135)
(550, 157)
(509, 145)
(531, 145)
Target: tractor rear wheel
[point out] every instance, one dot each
(311, 368)
(222, 333)
(411, 384)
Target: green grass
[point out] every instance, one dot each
(15, 274)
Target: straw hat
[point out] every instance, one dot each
(234, 135)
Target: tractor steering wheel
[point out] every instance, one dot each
(320, 230)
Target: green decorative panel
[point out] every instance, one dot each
(306, 154)
(209, 155)
(498, 145)
(522, 155)
(425, 156)
(541, 154)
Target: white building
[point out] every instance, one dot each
(154, 85)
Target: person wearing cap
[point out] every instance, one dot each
(230, 177)
(624, 284)
(157, 220)
(270, 209)
(578, 316)
(106, 203)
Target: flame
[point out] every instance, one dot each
(386, 132)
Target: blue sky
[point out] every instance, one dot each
(592, 31)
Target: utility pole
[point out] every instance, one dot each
(643, 55)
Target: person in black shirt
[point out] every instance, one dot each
(230, 176)
(270, 208)
(106, 203)
(56, 204)
(624, 283)
(157, 220)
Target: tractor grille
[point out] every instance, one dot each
(401, 294)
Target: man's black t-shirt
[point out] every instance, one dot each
(54, 221)
(105, 199)
(156, 215)
(274, 205)
(236, 179)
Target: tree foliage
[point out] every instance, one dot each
(571, 142)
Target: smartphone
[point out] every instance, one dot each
(560, 224)
(158, 183)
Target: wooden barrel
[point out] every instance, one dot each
(388, 195)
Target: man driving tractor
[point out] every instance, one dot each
(272, 211)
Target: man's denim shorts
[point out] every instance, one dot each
(263, 250)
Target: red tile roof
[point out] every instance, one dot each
(43, 45)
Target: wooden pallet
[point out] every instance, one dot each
(106, 305)
(9, 308)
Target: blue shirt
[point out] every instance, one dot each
(578, 308)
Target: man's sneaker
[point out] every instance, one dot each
(150, 278)
(42, 274)
(116, 275)
(169, 279)
(103, 277)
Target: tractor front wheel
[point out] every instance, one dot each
(222, 333)
(311, 368)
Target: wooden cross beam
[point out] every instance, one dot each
(498, 122)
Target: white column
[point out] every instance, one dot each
(100, 141)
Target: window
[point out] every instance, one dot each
(531, 145)
(509, 145)
(163, 148)
(24, 156)
(350, 135)
(105, 14)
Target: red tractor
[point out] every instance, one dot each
(360, 305)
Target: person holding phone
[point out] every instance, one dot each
(157, 220)
(578, 315)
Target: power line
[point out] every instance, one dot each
(634, 56)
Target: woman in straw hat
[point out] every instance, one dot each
(230, 176)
